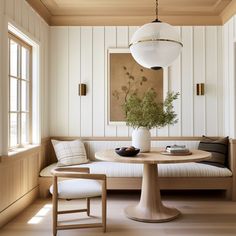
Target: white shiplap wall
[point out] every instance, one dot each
(79, 54)
(26, 19)
(229, 39)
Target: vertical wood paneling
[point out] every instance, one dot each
(37, 28)
(10, 8)
(87, 78)
(4, 180)
(62, 81)
(122, 41)
(25, 15)
(199, 77)
(42, 84)
(193, 66)
(25, 177)
(220, 81)
(53, 82)
(18, 11)
(187, 82)
(17, 178)
(98, 82)
(231, 80)
(226, 79)
(211, 81)
(110, 42)
(175, 86)
(44, 54)
(46, 80)
(74, 80)
(32, 26)
(32, 171)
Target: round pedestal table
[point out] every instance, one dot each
(150, 207)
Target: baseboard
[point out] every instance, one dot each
(14, 209)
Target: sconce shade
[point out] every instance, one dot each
(155, 45)
(82, 89)
(200, 89)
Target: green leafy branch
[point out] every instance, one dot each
(146, 112)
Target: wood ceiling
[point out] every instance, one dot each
(133, 12)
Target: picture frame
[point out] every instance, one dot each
(126, 76)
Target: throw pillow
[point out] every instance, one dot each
(218, 149)
(69, 152)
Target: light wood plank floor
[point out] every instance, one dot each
(202, 214)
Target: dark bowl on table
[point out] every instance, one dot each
(127, 153)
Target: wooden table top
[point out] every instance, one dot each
(152, 157)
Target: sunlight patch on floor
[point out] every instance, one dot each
(40, 214)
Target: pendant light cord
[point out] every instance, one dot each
(157, 10)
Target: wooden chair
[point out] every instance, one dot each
(82, 185)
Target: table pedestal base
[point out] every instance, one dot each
(150, 207)
(140, 214)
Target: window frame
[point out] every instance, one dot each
(19, 78)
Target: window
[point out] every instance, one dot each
(20, 92)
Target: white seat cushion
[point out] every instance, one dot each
(115, 169)
(78, 188)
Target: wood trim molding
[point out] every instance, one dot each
(132, 20)
(228, 12)
(163, 138)
(10, 212)
(96, 20)
(39, 7)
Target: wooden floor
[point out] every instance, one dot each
(203, 213)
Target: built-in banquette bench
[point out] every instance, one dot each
(172, 176)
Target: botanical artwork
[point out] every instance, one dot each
(127, 77)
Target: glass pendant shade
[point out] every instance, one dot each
(155, 45)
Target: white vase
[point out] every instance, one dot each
(141, 138)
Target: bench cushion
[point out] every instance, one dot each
(78, 188)
(115, 169)
(218, 147)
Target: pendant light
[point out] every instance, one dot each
(156, 44)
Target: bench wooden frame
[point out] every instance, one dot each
(180, 183)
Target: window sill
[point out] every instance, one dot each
(22, 149)
(21, 152)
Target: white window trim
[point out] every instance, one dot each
(18, 31)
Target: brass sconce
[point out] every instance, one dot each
(82, 89)
(200, 89)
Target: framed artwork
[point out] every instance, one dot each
(126, 76)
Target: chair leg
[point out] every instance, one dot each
(104, 206)
(54, 207)
(88, 206)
